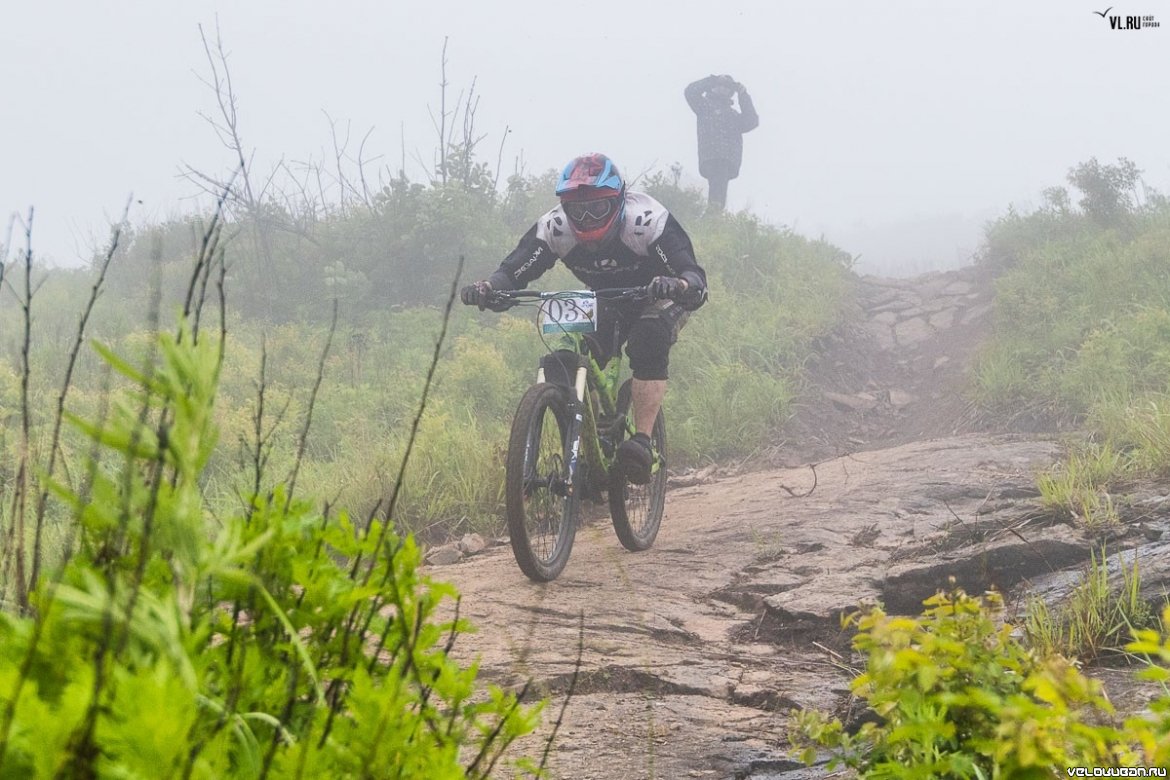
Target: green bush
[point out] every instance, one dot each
(958, 696)
(273, 641)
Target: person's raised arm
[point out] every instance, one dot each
(695, 93)
(749, 119)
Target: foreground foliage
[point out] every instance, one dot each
(957, 695)
(276, 641)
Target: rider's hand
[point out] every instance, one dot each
(667, 287)
(476, 294)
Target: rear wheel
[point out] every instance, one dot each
(637, 509)
(542, 515)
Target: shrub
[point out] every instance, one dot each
(275, 641)
(957, 696)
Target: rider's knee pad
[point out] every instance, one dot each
(649, 348)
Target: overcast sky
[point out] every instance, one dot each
(880, 123)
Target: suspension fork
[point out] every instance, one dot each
(576, 423)
(582, 426)
(579, 409)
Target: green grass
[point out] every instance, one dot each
(1079, 485)
(1096, 618)
(1082, 334)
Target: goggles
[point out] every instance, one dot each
(589, 210)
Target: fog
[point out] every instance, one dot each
(892, 129)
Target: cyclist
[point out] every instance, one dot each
(610, 237)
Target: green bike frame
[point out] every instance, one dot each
(584, 429)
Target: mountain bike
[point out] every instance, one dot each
(566, 432)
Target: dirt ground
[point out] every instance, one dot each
(693, 653)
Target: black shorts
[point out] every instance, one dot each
(648, 333)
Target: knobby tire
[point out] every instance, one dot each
(541, 519)
(636, 510)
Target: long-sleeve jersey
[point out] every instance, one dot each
(650, 243)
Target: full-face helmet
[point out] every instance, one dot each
(593, 197)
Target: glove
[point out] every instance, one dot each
(667, 287)
(476, 294)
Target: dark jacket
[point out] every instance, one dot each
(651, 243)
(720, 126)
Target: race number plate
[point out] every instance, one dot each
(577, 314)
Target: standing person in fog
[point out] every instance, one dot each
(721, 128)
(611, 237)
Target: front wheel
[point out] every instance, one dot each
(542, 511)
(636, 510)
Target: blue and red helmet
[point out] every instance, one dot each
(593, 196)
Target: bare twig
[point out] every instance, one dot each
(1007, 528)
(207, 245)
(8, 714)
(338, 156)
(491, 738)
(304, 439)
(500, 157)
(15, 549)
(830, 651)
(402, 142)
(569, 694)
(441, 124)
(807, 493)
(225, 95)
(361, 164)
(66, 383)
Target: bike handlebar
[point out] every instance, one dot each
(508, 298)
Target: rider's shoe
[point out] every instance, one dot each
(636, 456)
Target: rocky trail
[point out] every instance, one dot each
(693, 653)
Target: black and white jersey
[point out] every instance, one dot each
(650, 243)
